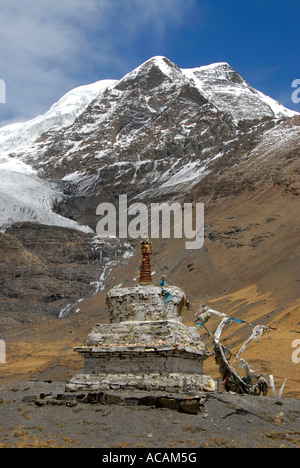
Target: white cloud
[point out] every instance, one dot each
(155, 14)
(45, 44)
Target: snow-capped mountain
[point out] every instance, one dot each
(19, 136)
(35, 197)
(159, 132)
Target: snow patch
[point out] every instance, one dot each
(278, 109)
(26, 197)
(234, 96)
(19, 136)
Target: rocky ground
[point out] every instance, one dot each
(224, 421)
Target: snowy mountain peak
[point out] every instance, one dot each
(163, 63)
(19, 136)
(159, 61)
(230, 93)
(212, 66)
(160, 129)
(154, 71)
(218, 83)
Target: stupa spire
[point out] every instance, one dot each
(145, 275)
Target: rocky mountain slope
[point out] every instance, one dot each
(159, 134)
(50, 270)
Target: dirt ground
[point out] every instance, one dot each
(225, 421)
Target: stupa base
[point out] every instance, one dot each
(169, 382)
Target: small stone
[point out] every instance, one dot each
(131, 401)
(55, 402)
(202, 401)
(71, 404)
(190, 406)
(44, 395)
(148, 401)
(169, 403)
(40, 402)
(113, 400)
(29, 399)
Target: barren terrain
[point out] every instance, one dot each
(248, 268)
(225, 421)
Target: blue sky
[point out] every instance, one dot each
(51, 46)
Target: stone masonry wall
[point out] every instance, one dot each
(145, 303)
(155, 334)
(143, 362)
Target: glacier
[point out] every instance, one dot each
(24, 196)
(27, 197)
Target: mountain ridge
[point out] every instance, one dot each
(156, 128)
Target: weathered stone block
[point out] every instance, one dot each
(113, 400)
(149, 401)
(143, 303)
(190, 406)
(170, 403)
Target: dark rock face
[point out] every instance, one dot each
(46, 268)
